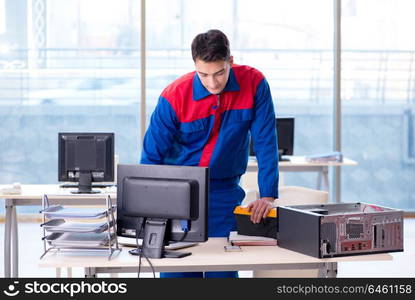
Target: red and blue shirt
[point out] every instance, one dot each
(192, 127)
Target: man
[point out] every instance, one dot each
(205, 118)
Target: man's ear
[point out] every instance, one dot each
(231, 60)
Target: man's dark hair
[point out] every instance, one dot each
(211, 46)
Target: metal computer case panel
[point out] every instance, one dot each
(340, 229)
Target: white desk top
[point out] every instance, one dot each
(33, 193)
(302, 162)
(209, 256)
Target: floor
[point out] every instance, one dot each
(31, 249)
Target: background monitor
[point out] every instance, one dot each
(162, 203)
(85, 158)
(285, 133)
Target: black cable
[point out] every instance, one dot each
(151, 265)
(184, 236)
(141, 252)
(139, 257)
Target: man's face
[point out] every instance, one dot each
(214, 75)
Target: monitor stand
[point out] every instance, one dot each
(85, 184)
(154, 240)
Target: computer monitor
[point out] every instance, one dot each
(285, 133)
(161, 204)
(85, 158)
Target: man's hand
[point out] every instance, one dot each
(260, 208)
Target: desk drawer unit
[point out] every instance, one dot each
(340, 229)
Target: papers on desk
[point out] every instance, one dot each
(78, 240)
(326, 157)
(62, 230)
(15, 189)
(62, 226)
(248, 240)
(58, 211)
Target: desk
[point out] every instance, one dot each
(299, 164)
(209, 256)
(32, 195)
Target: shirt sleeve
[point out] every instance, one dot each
(265, 141)
(160, 134)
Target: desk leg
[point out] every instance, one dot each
(15, 244)
(7, 239)
(319, 179)
(329, 270)
(326, 178)
(323, 177)
(332, 270)
(90, 273)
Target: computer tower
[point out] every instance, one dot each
(328, 230)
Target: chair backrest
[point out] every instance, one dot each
(297, 195)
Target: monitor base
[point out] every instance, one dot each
(284, 157)
(97, 186)
(86, 192)
(166, 254)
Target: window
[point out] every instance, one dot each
(65, 67)
(378, 102)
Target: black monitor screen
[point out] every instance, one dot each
(166, 202)
(85, 158)
(285, 133)
(182, 195)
